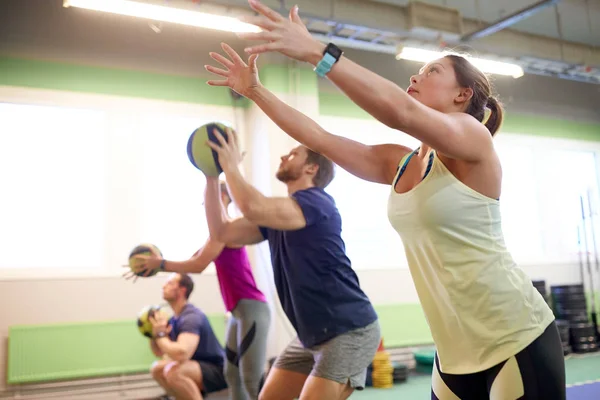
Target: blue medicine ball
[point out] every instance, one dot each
(201, 156)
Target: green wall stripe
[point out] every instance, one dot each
(550, 127)
(282, 79)
(278, 78)
(338, 105)
(111, 81)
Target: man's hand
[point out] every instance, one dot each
(228, 151)
(159, 323)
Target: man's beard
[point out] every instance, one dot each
(286, 175)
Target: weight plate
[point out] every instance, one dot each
(573, 289)
(585, 348)
(573, 315)
(560, 310)
(567, 297)
(584, 339)
(570, 305)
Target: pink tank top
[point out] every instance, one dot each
(235, 277)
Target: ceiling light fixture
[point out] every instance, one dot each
(166, 14)
(487, 66)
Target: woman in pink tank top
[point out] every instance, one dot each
(248, 325)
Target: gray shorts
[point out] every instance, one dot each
(343, 359)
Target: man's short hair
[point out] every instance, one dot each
(186, 282)
(326, 171)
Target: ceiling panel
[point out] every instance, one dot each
(574, 15)
(44, 29)
(573, 21)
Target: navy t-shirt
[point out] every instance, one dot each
(318, 289)
(193, 320)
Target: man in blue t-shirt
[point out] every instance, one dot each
(192, 358)
(337, 327)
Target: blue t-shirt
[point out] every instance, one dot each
(193, 320)
(317, 287)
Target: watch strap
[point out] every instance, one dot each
(324, 66)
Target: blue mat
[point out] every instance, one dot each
(589, 391)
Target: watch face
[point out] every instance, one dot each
(334, 50)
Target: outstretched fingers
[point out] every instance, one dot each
(220, 137)
(214, 82)
(221, 60)
(252, 61)
(217, 147)
(260, 21)
(264, 48)
(232, 135)
(130, 275)
(235, 57)
(265, 35)
(264, 10)
(295, 17)
(217, 71)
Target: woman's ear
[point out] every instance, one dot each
(464, 95)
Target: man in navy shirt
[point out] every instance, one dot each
(192, 358)
(337, 327)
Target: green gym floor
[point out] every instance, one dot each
(583, 375)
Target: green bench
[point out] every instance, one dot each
(38, 353)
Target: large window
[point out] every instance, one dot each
(542, 184)
(171, 197)
(519, 206)
(543, 180)
(371, 242)
(52, 170)
(82, 186)
(565, 180)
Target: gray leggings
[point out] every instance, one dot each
(246, 348)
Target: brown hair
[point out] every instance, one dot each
(185, 281)
(325, 173)
(469, 76)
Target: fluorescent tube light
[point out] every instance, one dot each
(488, 66)
(167, 14)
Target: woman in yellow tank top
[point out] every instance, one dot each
(495, 335)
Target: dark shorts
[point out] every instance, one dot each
(213, 378)
(536, 373)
